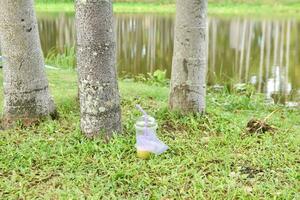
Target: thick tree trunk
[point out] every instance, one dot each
(96, 60)
(188, 81)
(26, 92)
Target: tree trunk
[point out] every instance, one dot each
(242, 49)
(26, 93)
(287, 59)
(188, 80)
(276, 42)
(262, 56)
(249, 51)
(268, 47)
(281, 45)
(96, 60)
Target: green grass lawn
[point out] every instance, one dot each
(210, 157)
(215, 8)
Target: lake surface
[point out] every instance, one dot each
(264, 52)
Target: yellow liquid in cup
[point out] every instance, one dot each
(143, 154)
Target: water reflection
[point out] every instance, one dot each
(264, 52)
(145, 44)
(56, 31)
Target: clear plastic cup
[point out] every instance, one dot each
(145, 122)
(146, 140)
(142, 125)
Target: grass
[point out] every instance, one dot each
(215, 7)
(210, 156)
(118, 7)
(64, 60)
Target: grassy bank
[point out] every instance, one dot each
(214, 8)
(118, 7)
(210, 157)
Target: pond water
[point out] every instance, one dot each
(264, 52)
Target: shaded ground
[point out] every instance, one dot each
(210, 157)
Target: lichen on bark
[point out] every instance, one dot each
(188, 79)
(96, 62)
(26, 93)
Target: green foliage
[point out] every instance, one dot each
(215, 7)
(64, 60)
(158, 78)
(173, 1)
(244, 89)
(210, 157)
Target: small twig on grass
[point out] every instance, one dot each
(270, 115)
(260, 126)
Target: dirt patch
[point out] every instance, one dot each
(170, 126)
(258, 126)
(250, 172)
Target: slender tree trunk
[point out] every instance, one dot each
(287, 59)
(262, 56)
(188, 81)
(297, 41)
(276, 42)
(242, 49)
(237, 44)
(288, 41)
(281, 45)
(26, 93)
(248, 58)
(214, 46)
(96, 61)
(268, 47)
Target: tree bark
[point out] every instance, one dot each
(26, 93)
(188, 79)
(262, 56)
(245, 23)
(276, 42)
(268, 47)
(248, 58)
(96, 61)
